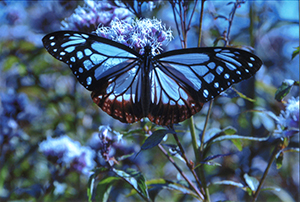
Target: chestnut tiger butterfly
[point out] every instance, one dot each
(167, 88)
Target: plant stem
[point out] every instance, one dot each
(200, 22)
(273, 156)
(188, 163)
(181, 172)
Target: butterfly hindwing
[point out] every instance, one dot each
(171, 99)
(121, 95)
(90, 57)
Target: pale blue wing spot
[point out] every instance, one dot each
(209, 78)
(228, 59)
(238, 72)
(211, 65)
(70, 49)
(172, 102)
(110, 88)
(126, 96)
(164, 98)
(219, 70)
(217, 49)
(87, 64)
(111, 50)
(124, 81)
(225, 51)
(51, 37)
(250, 64)
(79, 55)
(119, 98)
(97, 58)
(111, 97)
(72, 59)
(52, 43)
(252, 58)
(228, 83)
(228, 54)
(186, 71)
(87, 52)
(188, 58)
(54, 50)
(168, 83)
(205, 93)
(216, 85)
(74, 41)
(183, 94)
(180, 102)
(230, 66)
(226, 76)
(89, 80)
(76, 35)
(155, 88)
(246, 70)
(62, 53)
(85, 35)
(67, 34)
(201, 70)
(80, 70)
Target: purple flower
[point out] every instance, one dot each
(290, 117)
(93, 14)
(68, 153)
(138, 34)
(288, 120)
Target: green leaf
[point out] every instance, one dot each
(238, 143)
(229, 130)
(284, 89)
(154, 139)
(291, 150)
(295, 52)
(90, 187)
(239, 137)
(252, 182)
(10, 61)
(279, 159)
(160, 184)
(229, 182)
(104, 187)
(135, 179)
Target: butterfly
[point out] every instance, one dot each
(167, 88)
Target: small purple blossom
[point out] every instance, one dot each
(290, 116)
(288, 120)
(138, 34)
(69, 153)
(93, 14)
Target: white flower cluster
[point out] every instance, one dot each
(138, 34)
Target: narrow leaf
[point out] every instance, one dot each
(154, 139)
(135, 179)
(251, 182)
(279, 159)
(295, 52)
(284, 89)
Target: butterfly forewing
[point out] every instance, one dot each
(210, 70)
(90, 57)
